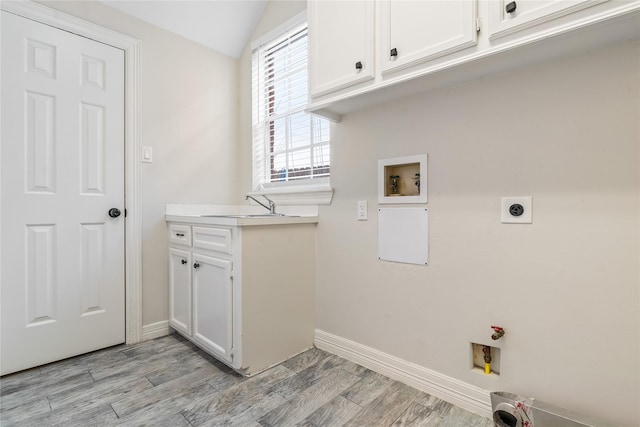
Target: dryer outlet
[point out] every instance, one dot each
(516, 210)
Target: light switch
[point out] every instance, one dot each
(362, 210)
(147, 154)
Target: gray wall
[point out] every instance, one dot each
(188, 114)
(565, 287)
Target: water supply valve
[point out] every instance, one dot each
(498, 332)
(486, 350)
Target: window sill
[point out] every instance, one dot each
(298, 195)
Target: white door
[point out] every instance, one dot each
(62, 158)
(180, 290)
(212, 302)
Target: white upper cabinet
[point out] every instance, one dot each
(418, 31)
(510, 16)
(341, 43)
(421, 45)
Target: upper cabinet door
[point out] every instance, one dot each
(510, 16)
(417, 31)
(341, 43)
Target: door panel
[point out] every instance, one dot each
(40, 278)
(62, 169)
(92, 149)
(40, 143)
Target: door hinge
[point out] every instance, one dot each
(231, 352)
(231, 276)
(478, 22)
(125, 213)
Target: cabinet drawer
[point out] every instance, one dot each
(180, 234)
(213, 239)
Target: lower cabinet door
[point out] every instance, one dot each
(180, 290)
(213, 305)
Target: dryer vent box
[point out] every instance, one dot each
(510, 410)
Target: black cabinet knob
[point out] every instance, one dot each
(358, 65)
(184, 261)
(511, 7)
(114, 212)
(196, 265)
(394, 52)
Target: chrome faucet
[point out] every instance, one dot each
(272, 204)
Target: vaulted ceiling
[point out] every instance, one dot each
(223, 25)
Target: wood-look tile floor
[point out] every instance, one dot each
(169, 382)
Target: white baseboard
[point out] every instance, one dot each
(155, 330)
(456, 392)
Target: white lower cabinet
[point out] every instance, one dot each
(244, 294)
(201, 300)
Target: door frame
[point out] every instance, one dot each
(133, 236)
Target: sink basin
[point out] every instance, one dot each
(267, 215)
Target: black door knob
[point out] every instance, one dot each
(511, 7)
(394, 52)
(196, 265)
(114, 212)
(184, 261)
(358, 65)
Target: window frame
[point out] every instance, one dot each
(302, 191)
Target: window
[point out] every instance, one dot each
(290, 147)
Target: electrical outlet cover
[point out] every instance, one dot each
(510, 208)
(362, 210)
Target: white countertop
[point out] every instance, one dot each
(200, 214)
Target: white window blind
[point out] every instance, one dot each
(289, 145)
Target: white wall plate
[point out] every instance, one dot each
(403, 235)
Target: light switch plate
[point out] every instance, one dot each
(516, 210)
(362, 210)
(147, 154)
